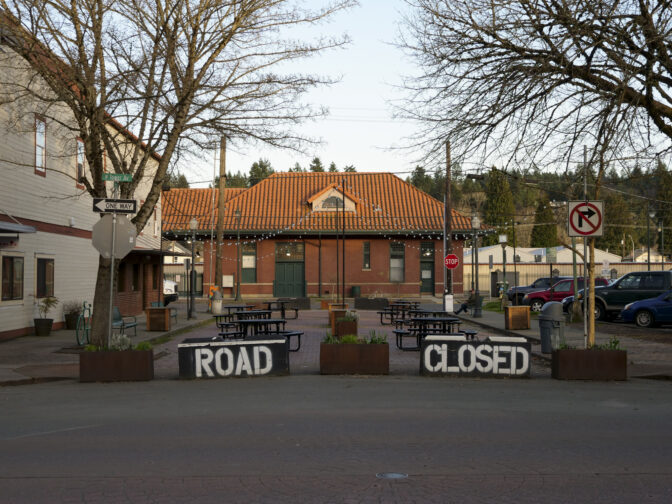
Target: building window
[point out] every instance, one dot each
(366, 255)
(12, 278)
(136, 278)
(45, 278)
(40, 146)
(81, 161)
(288, 251)
(248, 266)
(122, 285)
(427, 251)
(332, 202)
(396, 262)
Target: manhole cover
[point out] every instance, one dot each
(391, 475)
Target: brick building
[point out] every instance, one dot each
(287, 235)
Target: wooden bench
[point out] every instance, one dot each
(122, 323)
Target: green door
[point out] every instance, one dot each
(289, 279)
(289, 270)
(427, 267)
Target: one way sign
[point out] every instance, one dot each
(105, 205)
(586, 218)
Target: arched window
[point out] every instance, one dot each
(332, 202)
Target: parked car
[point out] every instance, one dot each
(539, 284)
(558, 292)
(649, 312)
(170, 293)
(611, 299)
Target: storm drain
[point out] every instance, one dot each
(391, 475)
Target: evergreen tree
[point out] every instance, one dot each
(296, 168)
(545, 231)
(237, 180)
(332, 168)
(350, 169)
(316, 165)
(178, 181)
(259, 171)
(498, 209)
(617, 218)
(663, 210)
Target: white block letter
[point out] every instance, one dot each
(204, 358)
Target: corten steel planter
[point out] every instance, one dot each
(593, 364)
(354, 358)
(112, 366)
(324, 305)
(362, 303)
(334, 315)
(71, 321)
(344, 327)
(516, 317)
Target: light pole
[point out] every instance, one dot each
(476, 225)
(238, 253)
(193, 225)
(661, 230)
(651, 215)
(505, 284)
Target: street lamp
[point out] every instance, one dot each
(661, 230)
(502, 242)
(237, 213)
(193, 225)
(652, 214)
(475, 226)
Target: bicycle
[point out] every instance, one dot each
(83, 329)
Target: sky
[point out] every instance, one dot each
(359, 130)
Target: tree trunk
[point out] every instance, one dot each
(101, 307)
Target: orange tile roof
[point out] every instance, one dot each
(281, 202)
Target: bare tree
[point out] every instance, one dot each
(532, 80)
(146, 80)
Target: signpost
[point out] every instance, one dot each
(108, 205)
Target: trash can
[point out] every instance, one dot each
(551, 326)
(356, 291)
(217, 303)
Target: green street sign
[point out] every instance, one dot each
(118, 177)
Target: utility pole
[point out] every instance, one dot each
(447, 237)
(220, 213)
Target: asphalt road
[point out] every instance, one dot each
(310, 438)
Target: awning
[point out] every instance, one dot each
(13, 228)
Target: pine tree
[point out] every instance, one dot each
(259, 171)
(545, 231)
(498, 209)
(316, 165)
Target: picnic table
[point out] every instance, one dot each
(419, 327)
(256, 326)
(252, 314)
(399, 310)
(281, 306)
(231, 309)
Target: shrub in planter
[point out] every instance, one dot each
(346, 324)
(43, 324)
(120, 362)
(352, 355)
(607, 362)
(71, 312)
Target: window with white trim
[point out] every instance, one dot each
(80, 163)
(40, 146)
(44, 286)
(12, 277)
(396, 262)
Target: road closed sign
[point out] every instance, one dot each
(451, 261)
(585, 218)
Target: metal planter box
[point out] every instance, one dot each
(592, 364)
(516, 317)
(354, 358)
(112, 366)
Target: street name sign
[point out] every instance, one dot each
(117, 177)
(124, 239)
(585, 218)
(107, 205)
(451, 261)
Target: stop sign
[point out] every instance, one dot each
(451, 261)
(124, 241)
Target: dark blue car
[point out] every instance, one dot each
(649, 312)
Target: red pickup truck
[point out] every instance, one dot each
(557, 292)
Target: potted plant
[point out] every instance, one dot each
(600, 362)
(120, 362)
(71, 312)
(43, 324)
(347, 324)
(350, 354)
